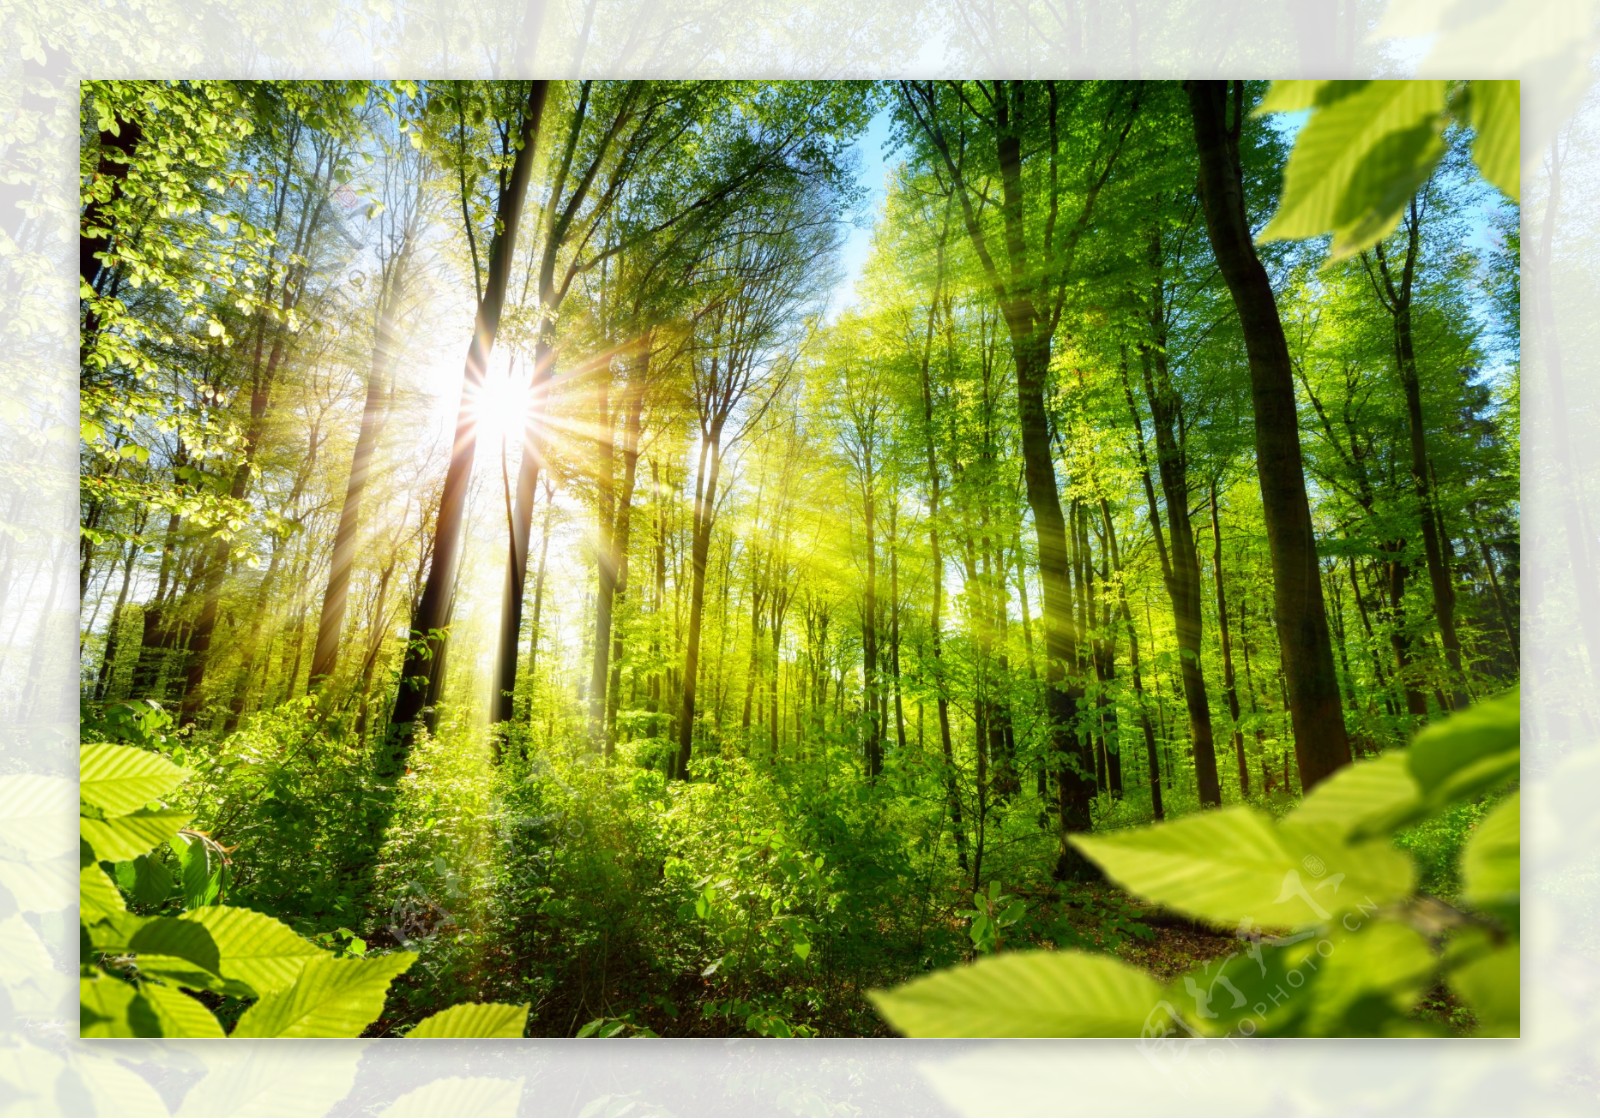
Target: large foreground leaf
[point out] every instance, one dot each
(1234, 865)
(1491, 864)
(1496, 108)
(1366, 150)
(122, 779)
(1492, 986)
(1368, 798)
(1471, 752)
(259, 951)
(474, 1019)
(332, 998)
(1025, 994)
(116, 838)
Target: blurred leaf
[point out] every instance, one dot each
(1024, 994)
(1470, 752)
(1368, 797)
(474, 1019)
(122, 779)
(1234, 865)
(331, 998)
(458, 1095)
(117, 838)
(1491, 862)
(1358, 161)
(1495, 108)
(1492, 986)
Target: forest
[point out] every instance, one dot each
(685, 558)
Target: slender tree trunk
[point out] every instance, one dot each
(1229, 690)
(330, 624)
(1151, 751)
(1321, 742)
(704, 511)
(422, 663)
(1183, 583)
(1433, 542)
(622, 538)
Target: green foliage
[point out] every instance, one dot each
(992, 913)
(1357, 957)
(185, 970)
(1370, 145)
(1025, 994)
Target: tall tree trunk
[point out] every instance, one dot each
(869, 629)
(705, 504)
(936, 563)
(330, 624)
(1230, 691)
(621, 539)
(1183, 583)
(894, 622)
(605, 564)
(420, 665)
(1321, 742)
(1151, 751)
(108, 661)
(1398, 303)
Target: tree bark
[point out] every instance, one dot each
(421, 668)
(1230, 690)
(1321, 743)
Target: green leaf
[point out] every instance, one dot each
(474, 1019)
(1492, 986)
(98, 898)
(1366, 798)
(259, 951)
(202, 882)
(185, 940)
(1292, 96)
(122, 779)
(1261, 990)
(1233, 865)
(1370, 980)
(1357, 162)
(1471, 752)
(1491, 863)
(32, 807)
(332, 998)
(126, 837)
(147, 881)
(1496, 111)
(180, 1015)
(109, 1007)
(1025, 994)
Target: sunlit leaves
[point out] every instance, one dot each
(116, 838)
(122, 779)
(1235, 865)
(1025, 994)
(1471, 752)
(1369, 146)
(1491, 985)
(474, 1019)
(1491, 864)
(331, 998)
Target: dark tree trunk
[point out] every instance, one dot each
(1321, 742)
(704, 511)
(1230, 690)
(1183, 576)
(330, 624)
(423, 664)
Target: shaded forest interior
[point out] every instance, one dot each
(658, 549)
